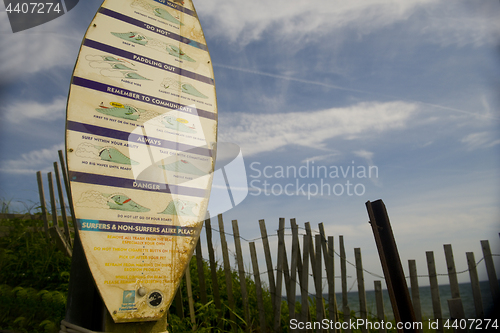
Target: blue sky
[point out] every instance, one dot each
(410, 88)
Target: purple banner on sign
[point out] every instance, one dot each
(147, 61)
(135, 138)
(135, 228)
(90, 178)
(141, 97)
(152, 28)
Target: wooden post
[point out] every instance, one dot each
(415, 293)
(436, 299)
(53, 205)
(279, 276)
(285, 269)
(227, 272)
(299, 257)
(391, 263)
(379, 299)
(63, 206)
(312, 256)
(361, 288)
(304, 286)
(318, 282)
(452, 273)
(328, 255)
(258, 288)
(346, 313)
(457, 313)
(179, 308)
(84, 305)
(332, 300)
(45, 218)
(201, 273)
(269, 261)
(293, 271)
(190, 297)
(67, 186)
(474, 280)
(241, 272)
(490, 269)
(213, 266)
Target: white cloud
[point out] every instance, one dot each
(298, 20)
(30, 163)
(256, 133)
(25, 110)
(480, 140)
(49, 45)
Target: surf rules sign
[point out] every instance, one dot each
(140, 143)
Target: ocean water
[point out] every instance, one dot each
(425, 300)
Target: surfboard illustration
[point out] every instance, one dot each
(140, 156)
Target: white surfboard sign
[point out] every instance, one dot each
(140, 136)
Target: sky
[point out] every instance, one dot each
(408, 90)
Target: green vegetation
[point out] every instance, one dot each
(34, 278)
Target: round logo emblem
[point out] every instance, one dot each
(155, 298)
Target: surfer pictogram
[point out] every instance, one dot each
(141, 39)
(179, 86)
(130, 112)
(181, 208)
(117, 201)
(108, 154)
(111, 66)
(164, 13)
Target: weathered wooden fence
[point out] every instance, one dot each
(312, 257)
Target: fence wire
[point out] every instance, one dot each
(314, 233)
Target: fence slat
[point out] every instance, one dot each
(379, 300)
(285, 269)
(227, 272)
(304, 290)
(269, 261)
(361, 287)
(258, 288)
(328, 256)
(62, 204)
(343, 273)
(457, 313)
(241, 272)
(68, 188)
(213, 267)
(279, 275)
(436, 299)
(201, 273)
(52, 201)
(299, 257)
(415, 293)
(311, 249)
(190, 297)
(452, 273)
(490, 269)
(332, 300)
(474, 280)
(319, 282)
(293, 270)
(43, 205)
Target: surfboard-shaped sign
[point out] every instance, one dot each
(140, 143)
